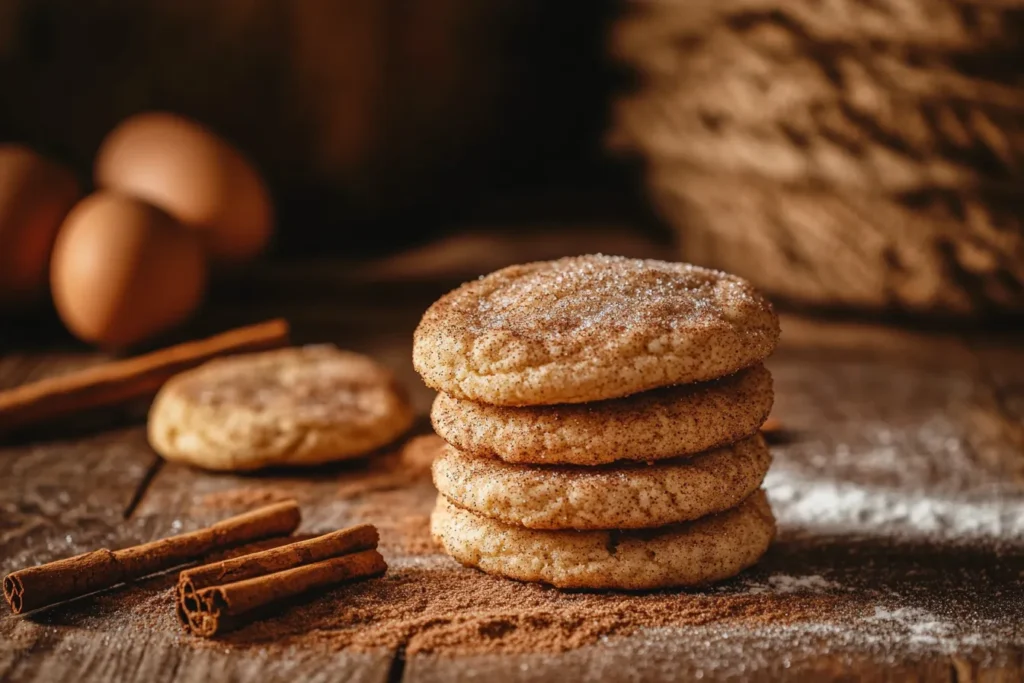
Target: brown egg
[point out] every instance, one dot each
(181, 167)
(35, 196)
(123, 270)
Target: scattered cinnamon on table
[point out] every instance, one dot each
(36, 587)
(121, 381)
(222, 596)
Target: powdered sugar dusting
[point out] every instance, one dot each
(785, 583)
(823, 506)
(921, 626)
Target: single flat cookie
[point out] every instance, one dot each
(694, 553)
(589, 328)
(657, 424)
(633, 496)
(298, 406)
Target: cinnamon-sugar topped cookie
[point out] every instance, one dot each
(589, 328)
(627, 496)
(654, 425)
(297, 406)
(706, 550)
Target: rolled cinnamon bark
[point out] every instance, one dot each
(218, 609)
(37, 587)
(334, 544)
(118, 382)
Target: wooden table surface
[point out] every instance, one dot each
(898, 483)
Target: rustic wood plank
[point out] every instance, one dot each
(331, 497)
(837, 400)
(870, 414)
(66, 486)
(63, 496)
(120, 656)
(108, 640)
(887, 396)
(70, 497)
(659, 658)
(883, 501)
(377, 324)
(187, 493)
(130, 633)
(999, 427)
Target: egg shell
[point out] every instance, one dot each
(35, 196)
(185, 169)
(123, 271)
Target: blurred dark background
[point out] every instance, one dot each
(377, 123)
(857, 159)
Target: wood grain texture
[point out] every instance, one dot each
(868, 421)
(999, 428)
(890, 412)
(80, 483)
(908, 436)
(72, 495)
(130, 633)
(59, 497)
(119, 655)
(663, 658)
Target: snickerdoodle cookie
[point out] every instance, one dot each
(298, 406)
(693, 553)
(589, 328)
(662, 423)
(632, 496)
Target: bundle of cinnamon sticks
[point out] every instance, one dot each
(219, 597)
(213, 598)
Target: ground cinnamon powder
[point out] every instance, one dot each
(428, 604)
(440, 608)
(809, 592)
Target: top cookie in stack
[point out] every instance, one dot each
(559, 379)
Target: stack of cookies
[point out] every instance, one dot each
(838, 153)
(602, 416)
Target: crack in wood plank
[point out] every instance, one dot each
(144, 485)
(396, 672)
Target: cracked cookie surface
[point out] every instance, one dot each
(653, 425)
(590, 328)
(630, 496)
(693, 553)
(297, 406)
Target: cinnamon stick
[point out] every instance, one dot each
(36, 587)
(224, 608)
(121, 381)
(219, 597)
(361, 537)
